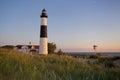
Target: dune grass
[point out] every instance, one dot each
(21, 66)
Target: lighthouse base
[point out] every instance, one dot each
(43, 49)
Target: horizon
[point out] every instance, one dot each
(70, 50)
(72, 25)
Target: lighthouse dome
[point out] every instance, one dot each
(44, 11)
(44, 14)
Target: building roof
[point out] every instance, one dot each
(29, 46)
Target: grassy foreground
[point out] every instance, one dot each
(21, 66)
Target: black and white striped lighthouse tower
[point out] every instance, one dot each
(43, 49)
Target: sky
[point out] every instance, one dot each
(73, 25)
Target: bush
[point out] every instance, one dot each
(97, 55)
(60, 52)
(115, 57)
(51, 48)
(109, 64)
(93, 56)
(8, 47)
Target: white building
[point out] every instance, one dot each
(27, 48)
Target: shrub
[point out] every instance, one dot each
(51, 48)
(115, 57)
(98, 55)
(93, 56)
(109, 64)
(60, 52)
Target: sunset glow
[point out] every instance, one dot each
(74, 25)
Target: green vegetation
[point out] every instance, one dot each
(115, 57)
(8, 46)
(22, 66)
(60, 52)
(97, 55)
(51, 48)
(107, 62)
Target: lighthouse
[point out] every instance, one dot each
(43, 49)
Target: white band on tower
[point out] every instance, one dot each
(44, 21)
(43, 44)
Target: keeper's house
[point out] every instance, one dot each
(27, 48)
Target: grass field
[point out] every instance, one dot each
(21, 66)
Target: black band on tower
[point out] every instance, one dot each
(44, 15)
(43, 31)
